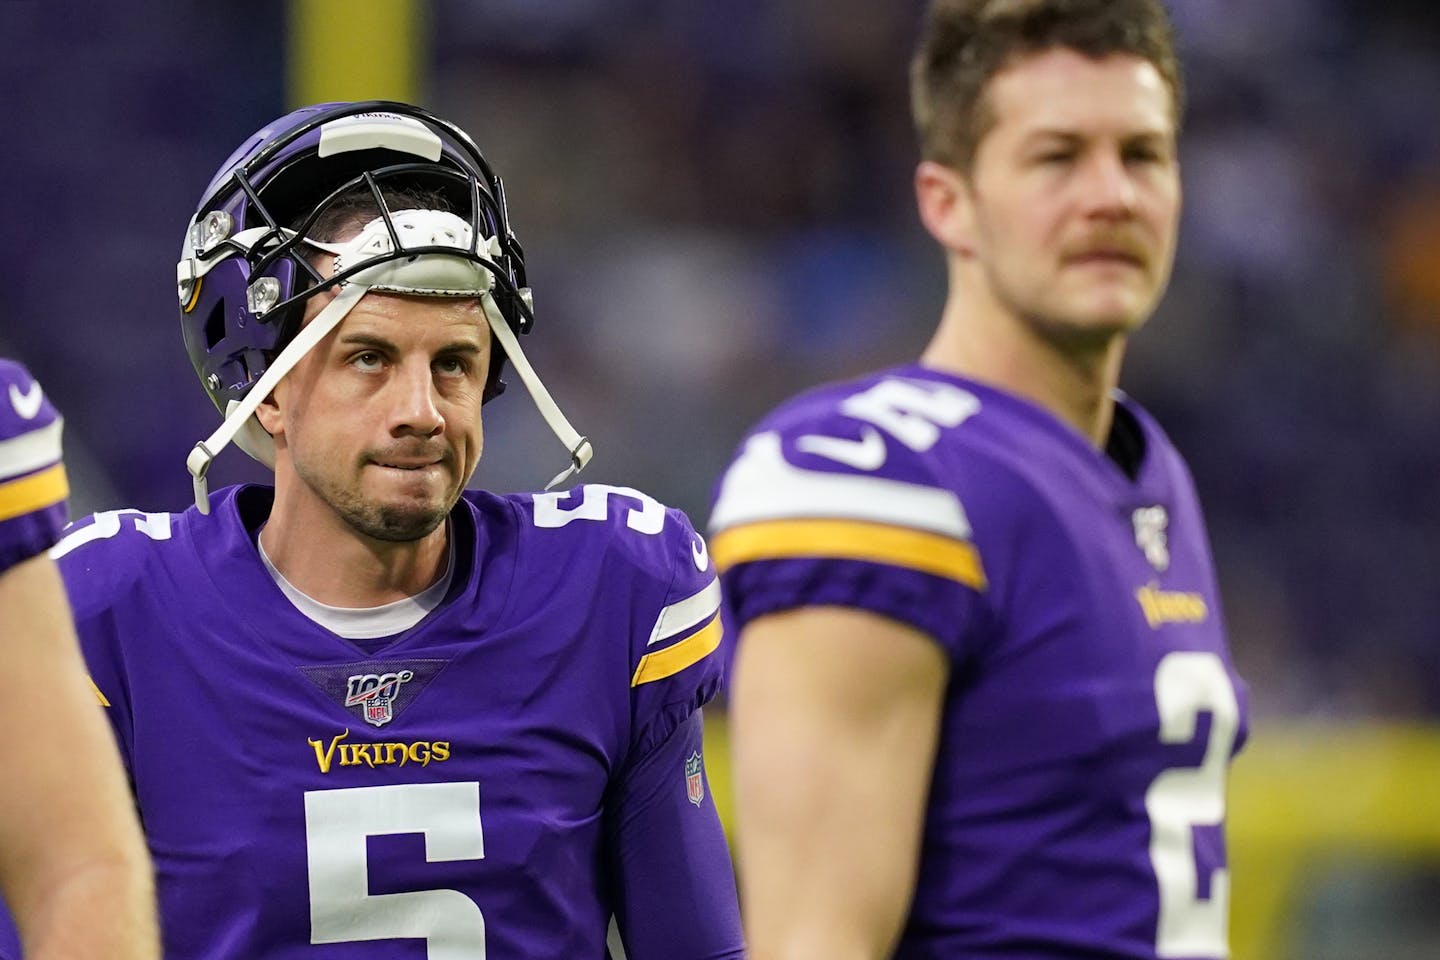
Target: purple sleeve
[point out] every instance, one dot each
(667, 859)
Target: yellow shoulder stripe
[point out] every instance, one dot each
(931, 553)
(28, 494)
(674, 658)
(98, 695)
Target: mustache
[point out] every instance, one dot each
(1125, 243)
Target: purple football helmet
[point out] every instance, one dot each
(245, 271)
(285, 175)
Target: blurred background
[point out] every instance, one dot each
(715, 201)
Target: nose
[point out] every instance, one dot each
(1109, 188)
(414, 409)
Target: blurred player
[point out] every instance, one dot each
(983, 703)
(72, 861)
(368, 713)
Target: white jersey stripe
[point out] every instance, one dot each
(31, 451)
(684, 614)
(763, 485)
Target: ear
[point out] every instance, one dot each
(268, 413)
(947, 206)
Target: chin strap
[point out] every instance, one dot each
(580, 449)
(205, 452)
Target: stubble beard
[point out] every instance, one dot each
(388, 522)
(1062, 327)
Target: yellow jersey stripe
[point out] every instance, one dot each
(673, 659)
(931, 553)
(98, 695)
(28, 494)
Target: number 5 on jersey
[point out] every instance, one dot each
(342, 910)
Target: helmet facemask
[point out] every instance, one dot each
(238, 241)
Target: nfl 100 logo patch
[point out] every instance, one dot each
(695, 778)
(375, 693)
(377, 690)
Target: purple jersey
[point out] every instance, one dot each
(32, 478)
(1077, 803)
(499, 780)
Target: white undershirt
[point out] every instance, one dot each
(367, 623)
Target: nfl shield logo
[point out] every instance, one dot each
(1150, 536)
(695, 779)
(375, 694)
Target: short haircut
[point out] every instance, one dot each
(353, 209)
(965, 43)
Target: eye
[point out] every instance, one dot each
(1144, 155)
(452, 366)
(367, 360)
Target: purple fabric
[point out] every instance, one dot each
(1037, 838)
(232, 716)
(26, 534)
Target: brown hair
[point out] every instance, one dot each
(964, 43)
(354, 208)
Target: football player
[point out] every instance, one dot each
(72, 862)
(366, 711)
(983, 703)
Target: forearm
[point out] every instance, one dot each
(114, 902)
(835, 722)
(73, 865)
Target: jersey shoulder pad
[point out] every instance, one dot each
(105, 554)
(651, 552)
(33, 486)
(24, 407)
(844, 463)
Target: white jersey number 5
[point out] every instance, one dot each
(1186, 685)
(648, 517)
(342, 910)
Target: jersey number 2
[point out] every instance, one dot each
(1186, 685)
(342, 910)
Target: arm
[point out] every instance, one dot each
(674, 886)
(73, 864)
(835, 718)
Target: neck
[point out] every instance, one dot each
(1071, 376)
(329, 561)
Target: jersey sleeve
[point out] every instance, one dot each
(33, 486)
(676, 667)
(105, 561)
(666, 862)
(667, 858)
(823, 508)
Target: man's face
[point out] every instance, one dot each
(380, 422)
(1075, 192)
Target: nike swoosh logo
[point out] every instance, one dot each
(27, 404)
(700, 553)
(867, 453)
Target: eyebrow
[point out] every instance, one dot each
(385, 346)
(1074, 136)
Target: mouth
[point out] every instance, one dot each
(409, 466)
(1106, 257)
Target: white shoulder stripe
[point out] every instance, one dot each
(31, 451)
(762, 485)
(684, 614)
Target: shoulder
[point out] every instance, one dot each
(25, 410)
(621, 541)
(105, 555)
(874, 466)
(33, 486)
(623, 529)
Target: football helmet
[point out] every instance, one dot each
(245, 269)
